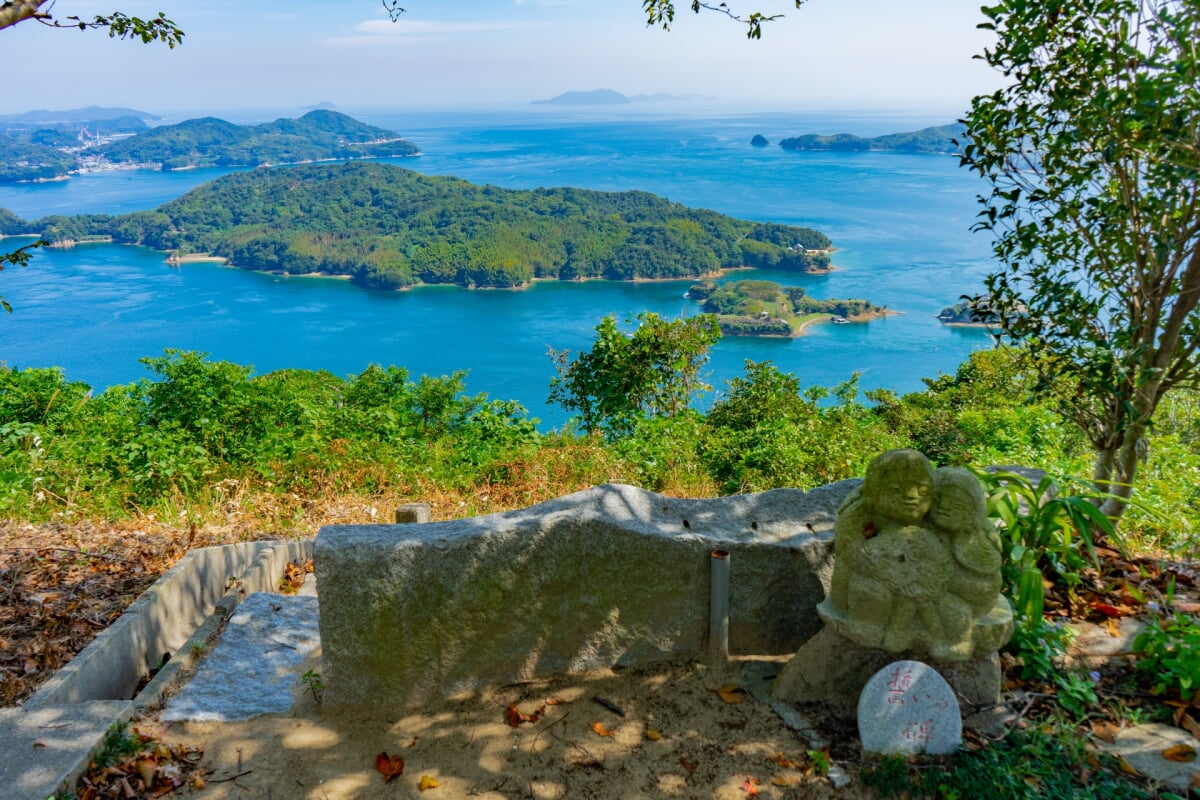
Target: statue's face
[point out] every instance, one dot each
(904, 498)
(952, 511)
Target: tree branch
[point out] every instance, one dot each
(14, 11)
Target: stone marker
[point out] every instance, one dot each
(908, 708)
(413, 512)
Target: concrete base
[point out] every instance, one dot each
(831, 670)
(614, 575)
(160, 621)
(47, 743)
(46, 749)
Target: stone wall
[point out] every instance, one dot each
(609, 576)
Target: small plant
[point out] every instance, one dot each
(1046, 533)
(1077, 693)
(1040, 646)
(820, 761)
(889, 776)
(315, 685)
(1169, 653)
(119, 743)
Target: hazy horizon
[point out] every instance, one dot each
(283, 55)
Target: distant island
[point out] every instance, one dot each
(608, 97)
(765, 308)
(91, 115)
(759, 140)
(32, 153)
(936, 140)
(388, 228)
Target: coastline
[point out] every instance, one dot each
(983, 325)
(802, 327)
(201, 258)
(196, 258)
(827, 319)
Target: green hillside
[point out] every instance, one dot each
(389, 227)
(31, 151)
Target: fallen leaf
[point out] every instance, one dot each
(1126, 767)
(1190, 725)
(146, 770)
(1181, 753)
(553, 701)
(515, 716)
(599, 729)
(427, 783)
(784, 762)
(784, 780)
(732, 693)
(1105, 731)
(198, 782)
(39, 743)
(1113, 627)
(688, 766)
(1195, 780)
(653, 735)
(1186, 608)
(390, 767)
(1110, 610)
(750, 786)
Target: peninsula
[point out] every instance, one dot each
(387, 227)
(29, 153)
(765, 308)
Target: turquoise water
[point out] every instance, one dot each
(900, 224)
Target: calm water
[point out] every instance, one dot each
(900, 224)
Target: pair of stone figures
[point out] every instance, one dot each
(917, 563)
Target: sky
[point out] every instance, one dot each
(248, 55)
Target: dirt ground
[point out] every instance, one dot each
(678, 738)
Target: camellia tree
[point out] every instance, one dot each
(1092, 152)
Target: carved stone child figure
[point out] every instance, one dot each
(959, 513)
(917, 562)
(890, 565)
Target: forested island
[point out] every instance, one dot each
(387, 227)
(936, 140)
(29, 153)
(977, 312)
(765, 308)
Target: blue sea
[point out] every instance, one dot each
(900, 223)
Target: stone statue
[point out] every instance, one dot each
(917, 563)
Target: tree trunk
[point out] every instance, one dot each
(1119, 467)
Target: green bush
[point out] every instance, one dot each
(1169, 655)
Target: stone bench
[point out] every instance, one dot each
(610, 576)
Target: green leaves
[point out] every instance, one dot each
(623, 378)
(1094, 206)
